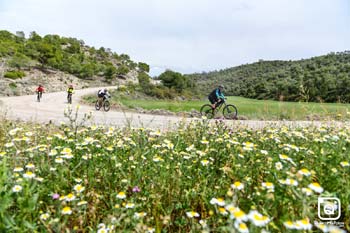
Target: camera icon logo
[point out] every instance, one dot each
(329, 208)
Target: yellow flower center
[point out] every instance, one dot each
(239, 214)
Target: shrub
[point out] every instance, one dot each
(14, 74)
(122, 70)
(12, 85)
(122, 88)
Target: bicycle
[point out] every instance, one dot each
(229, 111)
(39, 96)
(105, 104)
(69, 98)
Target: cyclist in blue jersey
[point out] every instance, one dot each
(216, 96)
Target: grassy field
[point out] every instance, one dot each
(253, 109)
(202, 177)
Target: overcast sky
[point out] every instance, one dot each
(190, 35)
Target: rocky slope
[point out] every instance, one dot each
(55, 62)
(53, 80)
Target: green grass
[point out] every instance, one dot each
(247, 108)
(174, 106)
(253, 109)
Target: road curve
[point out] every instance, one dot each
(52, 106)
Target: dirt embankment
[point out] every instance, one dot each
(53, 81)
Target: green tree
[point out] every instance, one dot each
(87, 70)
(122, 70)
(46, 51)
(110, 71)
(19, 61)
(143, 67)
(124, 57)
(144, 80)
(6, 36)
(34, 36)
(174, 80)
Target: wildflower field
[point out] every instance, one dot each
(201, 177)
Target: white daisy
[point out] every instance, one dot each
(316, 187)
(17, 188)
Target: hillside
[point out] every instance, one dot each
(55, 61)
(318, 79)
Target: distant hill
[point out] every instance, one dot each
(53, 57)
(318, 79)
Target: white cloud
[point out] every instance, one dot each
(191, 35)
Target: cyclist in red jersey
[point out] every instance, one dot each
(39, 90)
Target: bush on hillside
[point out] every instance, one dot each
(144, 80)
(12, 85)
(14, 74)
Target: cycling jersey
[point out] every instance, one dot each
(39, 89)
(215, 95)
(102, 93)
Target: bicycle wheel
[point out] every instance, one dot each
(106, 105)
(230, 111)
(97, 105)
(207, 110)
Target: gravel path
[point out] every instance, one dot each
(52, 106)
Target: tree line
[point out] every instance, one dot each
(66, 54)
(318, 79)
(73, 56)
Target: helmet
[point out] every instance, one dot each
(221, 86)
(105, 89)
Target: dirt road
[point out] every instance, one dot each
(52, 107)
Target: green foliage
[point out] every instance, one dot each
(14, 74)
(144, 80)
(101, 53)
(7, 44)
(90, 178)
(34, 37)
(174, 85)
(46, 51)
(174, 80)
(12, 85)
(6, 36)
(110, 71)
(122, 70)
(143, 67)
(319, 79)
(65, 54)
(124, 57)
(87, 70)
(19, 61)
(161, 92)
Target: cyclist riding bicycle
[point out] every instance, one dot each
(216, 96)
(70, 91)
(39, 90)
(102, 95)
